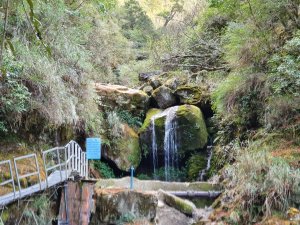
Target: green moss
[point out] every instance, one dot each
(189, 94)
(195, 164)
(181, 205)
(128, 148)
(191, 127)
(147, 121)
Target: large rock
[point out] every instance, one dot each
(190, 129)
(122, 98)
(126, 149)
(145, 76)
(114, 205)
(189, 94)
(164, 97)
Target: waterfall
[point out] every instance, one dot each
(170, 141)
(202, 173)
(154, 146)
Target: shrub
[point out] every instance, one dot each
(116, 129)
(128, 118)
(104, 169)
(259, 184)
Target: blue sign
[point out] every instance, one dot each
(93, 148)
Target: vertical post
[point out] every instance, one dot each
(81, 163)
(76, 156)
(69, 159)
(17, 174)
(66, 164)
(12, 178)
(86, 167)
(38, 170)
(58, 158)
(45, 168)
(131, 177)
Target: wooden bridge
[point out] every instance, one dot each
(59, 164)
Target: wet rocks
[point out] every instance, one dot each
(164, 97)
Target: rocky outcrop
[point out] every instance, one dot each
(114, 205)
(191, 129)
(116, 97)
(164, 97)
(126, 150)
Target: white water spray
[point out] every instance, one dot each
(170, 141)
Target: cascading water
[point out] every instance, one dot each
(203, 173)
(170, 141)
(154, 147)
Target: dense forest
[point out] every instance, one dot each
(239, 61)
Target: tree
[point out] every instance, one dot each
(169, 15)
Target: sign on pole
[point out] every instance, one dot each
(93, 148)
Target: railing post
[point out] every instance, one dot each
(38, 170)
(75, 156)
(81, 163)
(17, 174)
(86, 167)
(45, 168)
(69, 159)
(12, 177)
(66, 162)
(58, 157)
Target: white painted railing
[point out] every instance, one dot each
(60, 164)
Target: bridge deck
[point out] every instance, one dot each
(53, 179)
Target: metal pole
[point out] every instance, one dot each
(17, 174)
(131, 177)
(58, 157)
(12, 178)
(38, 170)
(66, 164)
(45, 168)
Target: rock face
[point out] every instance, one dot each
(120, 97)
(164, 97)
(112, 206)
(126, 151)
(191, 130)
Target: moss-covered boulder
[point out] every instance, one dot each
(191, 132)
(189, 94)
(182, 205)
(125, 150)
(164, 97)
(195, 164)
(116, 97)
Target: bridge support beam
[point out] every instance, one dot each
(76, 203)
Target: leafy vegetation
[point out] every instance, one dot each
(104, 169)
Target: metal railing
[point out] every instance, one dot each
(24, 176)
(58, 163)
(11, 180)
